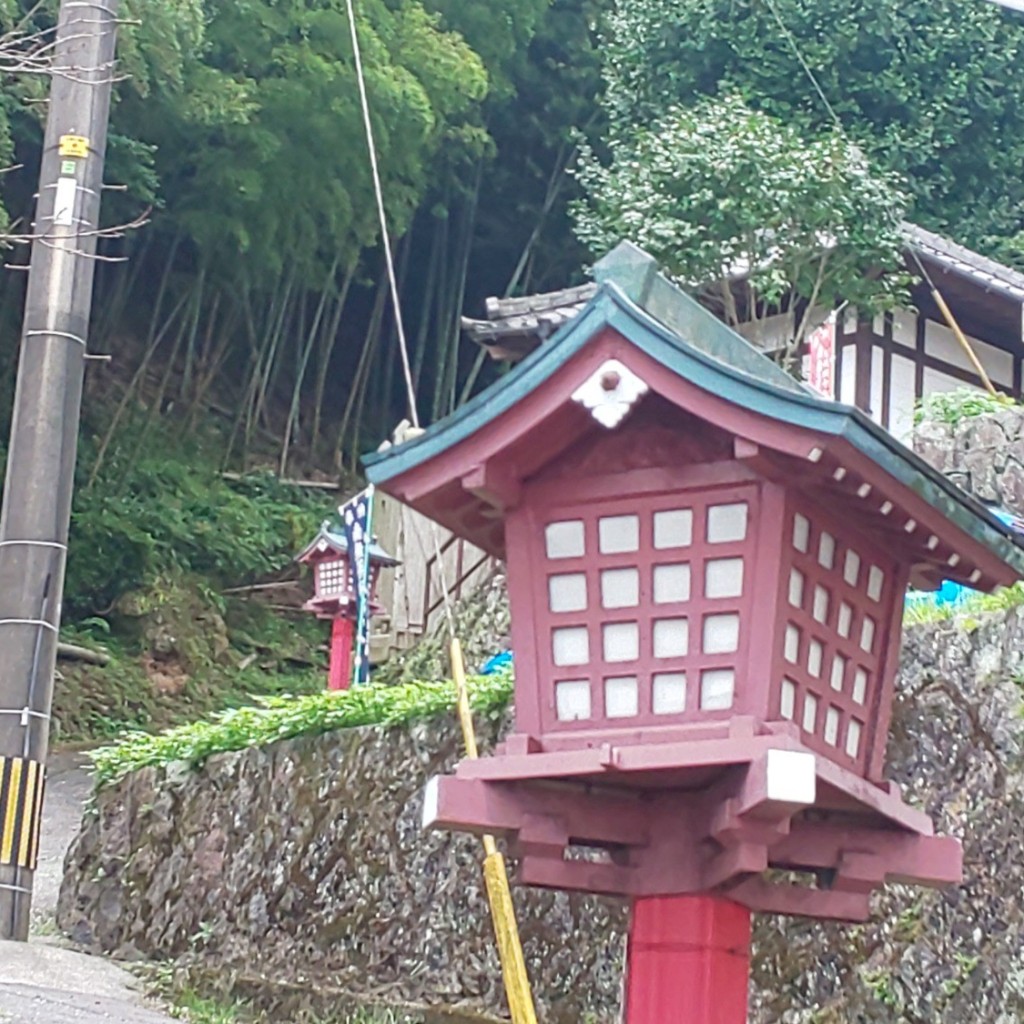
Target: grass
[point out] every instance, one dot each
(195, 1009)
(191, 1002)
(278, 718)
(377, 1017)
(953, 407)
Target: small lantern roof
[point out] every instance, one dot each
(331, 540)
(640, 336)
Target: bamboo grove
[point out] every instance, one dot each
(256, 292)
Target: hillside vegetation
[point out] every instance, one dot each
(163, 551)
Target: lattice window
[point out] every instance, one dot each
(838, 595)
(332, 578)
(644, 610)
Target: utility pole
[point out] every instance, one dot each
(44, 431)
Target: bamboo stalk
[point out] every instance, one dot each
(129, 393)
(291, 424)
(212, 362)
(362, 369)
(964, 343)
(325, 350)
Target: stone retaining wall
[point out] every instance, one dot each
(983, 454)
(304, 861)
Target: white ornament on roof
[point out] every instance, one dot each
(610, 392)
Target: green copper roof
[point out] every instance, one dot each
(677, 332)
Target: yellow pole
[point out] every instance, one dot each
(510, 949)
(962, 338)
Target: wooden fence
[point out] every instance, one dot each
(412, 594)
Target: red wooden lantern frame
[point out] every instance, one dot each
(655, 614)
(647, 407)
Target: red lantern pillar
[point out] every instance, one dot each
(688, 961)
(339, 676)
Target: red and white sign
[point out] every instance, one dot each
(819, 364)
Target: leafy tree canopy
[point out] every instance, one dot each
(721, 193)
(242, 118)
(499, 31)
(931, 89)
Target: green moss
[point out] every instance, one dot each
(880, 982)
(278, 718)
(953, 407)
(178, 653)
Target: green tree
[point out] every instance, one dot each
(738, 205)
(260, 151)
(931, 89)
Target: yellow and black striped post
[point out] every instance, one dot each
(21, 807)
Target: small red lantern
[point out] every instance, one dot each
(707, 565)
(334, 595)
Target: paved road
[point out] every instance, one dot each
(67, 788)
(41, 982)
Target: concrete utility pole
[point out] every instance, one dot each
(44, 431)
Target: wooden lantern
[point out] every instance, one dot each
(333, 592)
(707, 565)
(334, 595)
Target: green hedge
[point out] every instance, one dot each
(280, 718)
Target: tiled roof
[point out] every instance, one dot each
(514, 326)
(654, 315)
(336, 540)
(536, 315)
(959, 259)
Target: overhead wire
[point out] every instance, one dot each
(513, 964)
(396, 301)
(803, 63)
(378, 189)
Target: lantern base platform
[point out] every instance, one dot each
(712, 815)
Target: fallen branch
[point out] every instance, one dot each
(319, 485)
(256, 587)
(287, 609)
(72, 652)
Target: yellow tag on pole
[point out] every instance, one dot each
(76, 146)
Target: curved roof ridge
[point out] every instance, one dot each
(720, 362)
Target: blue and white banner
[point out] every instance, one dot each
(357, 524)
